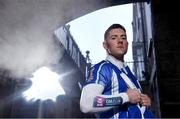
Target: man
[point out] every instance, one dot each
(111, 90)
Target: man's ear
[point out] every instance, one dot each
(127, 44)
(105, 45)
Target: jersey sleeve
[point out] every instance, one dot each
(100, 74)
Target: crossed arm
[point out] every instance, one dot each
(92, 99)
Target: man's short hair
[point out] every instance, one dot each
(113, 26)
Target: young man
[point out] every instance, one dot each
(111, 90)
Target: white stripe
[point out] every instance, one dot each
(97, 78)
(115, 85)
(115, 89)
(128, 81)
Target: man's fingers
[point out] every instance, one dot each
(145, 100)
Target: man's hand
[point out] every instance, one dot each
(134, 96)
(145, 100)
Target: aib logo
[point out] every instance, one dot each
(100, 101)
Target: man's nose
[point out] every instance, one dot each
(120, 40)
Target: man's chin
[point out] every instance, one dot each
(122, 53)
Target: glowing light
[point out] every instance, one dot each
(45, 85)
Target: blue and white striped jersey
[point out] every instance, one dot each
(107, 73)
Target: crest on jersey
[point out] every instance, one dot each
(90, 77)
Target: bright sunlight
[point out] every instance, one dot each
(45, 85)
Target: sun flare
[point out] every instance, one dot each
(45, 85)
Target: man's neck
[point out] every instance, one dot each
(119, 58)
(115, 61)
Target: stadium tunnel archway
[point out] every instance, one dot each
(26, 27)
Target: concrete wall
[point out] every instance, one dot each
(166, 42)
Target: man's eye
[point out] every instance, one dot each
(124, 38)
(113, 38)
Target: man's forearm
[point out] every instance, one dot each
(92, 99)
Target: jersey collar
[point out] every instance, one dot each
(116, 62)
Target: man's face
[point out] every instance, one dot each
(116, 43)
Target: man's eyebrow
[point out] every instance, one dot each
(123, 35)
(117, 36)
(114, 35)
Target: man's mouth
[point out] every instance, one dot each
(120, 47)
